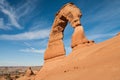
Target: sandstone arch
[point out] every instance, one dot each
(68, 13)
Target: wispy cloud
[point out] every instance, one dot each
(27, 44)
(9, 11)
(32, 50)
(17, 16)
(26, 7)
(102, 21)
(12, 17)
(104, 11)
(41, 34)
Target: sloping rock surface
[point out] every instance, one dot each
(96, 62)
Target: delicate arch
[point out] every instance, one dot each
(69, 12)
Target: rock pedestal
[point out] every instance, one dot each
(77, 38)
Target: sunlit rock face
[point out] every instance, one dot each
(68, 13)
(96, 61)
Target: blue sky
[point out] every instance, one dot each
(25, 27)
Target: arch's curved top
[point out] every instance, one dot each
(69, 12)
(70, 3)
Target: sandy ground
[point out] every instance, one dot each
(97, 62)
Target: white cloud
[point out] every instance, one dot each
(32, 50)
(8, 10)
(11, 17)
(26, 7)
(41, 34)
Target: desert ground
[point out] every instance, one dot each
(14, 72)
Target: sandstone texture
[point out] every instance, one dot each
(87, 61)
(95, 62)
(68, 13)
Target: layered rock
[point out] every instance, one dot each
(68, 13)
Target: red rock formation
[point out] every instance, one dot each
(71, 13)
(29, 72)
(96, 62)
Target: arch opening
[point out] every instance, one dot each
(67, 38)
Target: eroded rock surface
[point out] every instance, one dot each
(29, 72)
(68, 13)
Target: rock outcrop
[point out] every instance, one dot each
(29, 75)
(29, 72)
(68, 13)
